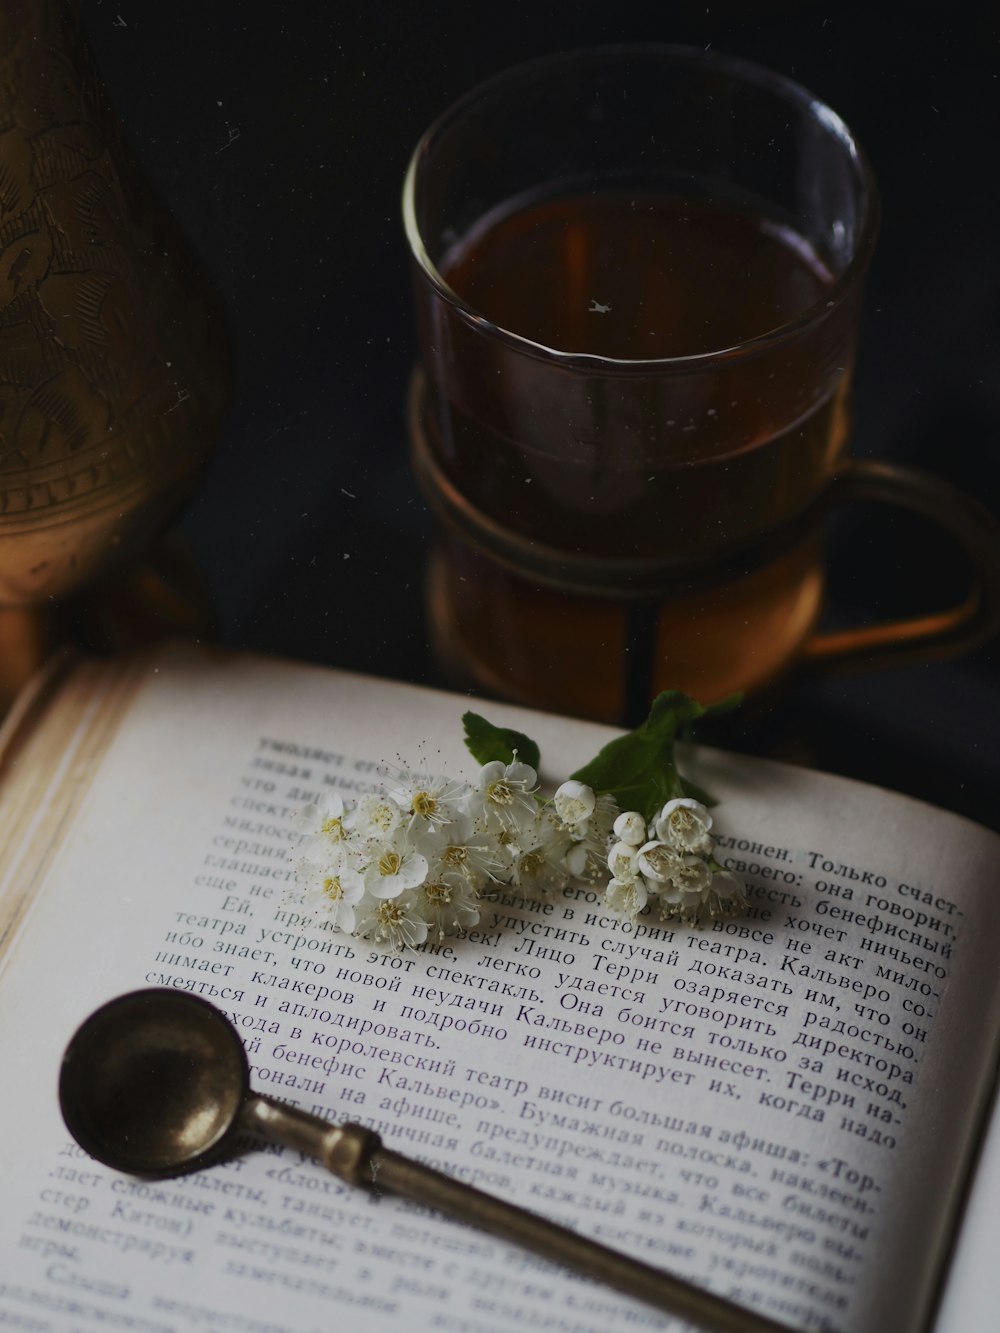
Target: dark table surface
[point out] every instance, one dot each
(279, 136)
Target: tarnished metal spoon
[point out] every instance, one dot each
(156, 1083)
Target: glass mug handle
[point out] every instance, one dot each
(935, 635)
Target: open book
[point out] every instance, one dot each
(791, 1109)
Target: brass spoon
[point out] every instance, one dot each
(157, 1083)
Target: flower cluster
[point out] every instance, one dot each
(413, 862)
(669, 864)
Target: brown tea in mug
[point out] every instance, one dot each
(698, 474)
(639, 279)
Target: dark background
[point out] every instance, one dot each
(279, 138)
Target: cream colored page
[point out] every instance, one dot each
(776, 1109)
(971, 1297)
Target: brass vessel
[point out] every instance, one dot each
(113, 379)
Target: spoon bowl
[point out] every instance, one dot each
(153, 1083)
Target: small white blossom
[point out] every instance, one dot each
(448, 903)
(334, 858)
(333, 889)
(622, 861)
(504, 795)
(430, 802)
(657, 861)
(471, 850)
(574, 802)
(395, 865)
(321, 823)
(685, 895)
(374, 818)
(395, 923)
(692, 875)
(684, 824)
(552, 838)
(630, 827)
(626, 897)
(539, 864)
(507, 842)
(588, 858)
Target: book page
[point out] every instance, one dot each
(778, 1108)
(971, 1296)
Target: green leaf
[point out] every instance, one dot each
(487, 742)
(725, 705)
(638, 769)
(721, 706)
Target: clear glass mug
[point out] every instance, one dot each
(638, 276)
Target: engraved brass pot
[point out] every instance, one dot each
(113, 378)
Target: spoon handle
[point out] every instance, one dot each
(356, 1156)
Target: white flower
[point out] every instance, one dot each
(630, 827)
(433, 801)
(410, 863)
(396, 923)
(692, 875)
(332, 888)
(574, 802)
(539, 864)
(321, 823)
(588, 858)
(395, 865)
(374, 818)
(657, 861)
(532, 873)
(684, 824)
(508, 843)
(626, 897)
(470, 850)
(335, 858)
(504, 795)
(448, 903)
(554, 839)
(622, 861)
(687, 894)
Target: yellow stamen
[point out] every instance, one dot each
(531, 863)
(424, 804)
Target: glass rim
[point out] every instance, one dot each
(749, 72)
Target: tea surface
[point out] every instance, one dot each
(635, 277)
